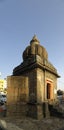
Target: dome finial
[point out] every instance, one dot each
(34, 40)
(34, 37)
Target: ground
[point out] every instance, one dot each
(32, 124)
(25, 123)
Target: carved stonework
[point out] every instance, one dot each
(35, 49)
(31, 55)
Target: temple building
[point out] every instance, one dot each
(33, 83)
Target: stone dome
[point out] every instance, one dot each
(35, 49)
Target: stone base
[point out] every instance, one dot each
(18, 109)
(38, 111)
(33, 110)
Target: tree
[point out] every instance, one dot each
(59, 92)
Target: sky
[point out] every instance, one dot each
(19, 21)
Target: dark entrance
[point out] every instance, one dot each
(48, 90)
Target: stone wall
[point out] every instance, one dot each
(17, 96)
(21, 90)
(32, 78)
(40, 85)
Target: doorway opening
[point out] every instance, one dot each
(48, 90)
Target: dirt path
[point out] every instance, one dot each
(31, 124)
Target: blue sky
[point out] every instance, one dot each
(20, 20)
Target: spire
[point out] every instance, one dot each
(34, 40)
